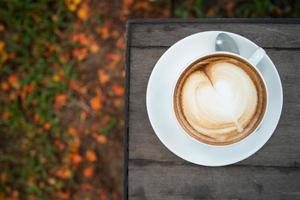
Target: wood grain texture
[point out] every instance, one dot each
(170, 181)
(156, 173)
(283, 35)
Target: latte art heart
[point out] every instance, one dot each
(220, 99)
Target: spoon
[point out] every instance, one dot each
(225, 43)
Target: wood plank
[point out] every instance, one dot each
(168, 181)
(282, 149)
(284, 35)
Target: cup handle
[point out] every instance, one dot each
(256, 57)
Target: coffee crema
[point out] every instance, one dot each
(219, 99)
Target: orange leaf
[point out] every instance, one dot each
(104, 32)
(63, 195)
(121, 43)
(60, 100)
(103, 76)
(85, 186)
(72, 131)
(105, 120)
(4, 86)
(91, 156)
(101, 139)
(47, 126)
(118, 103)
(115, 34)
(29, 88)
(5, 115)
(14, 81)
(2, 46)
(88, 172)
(127, 3)
(15, 195)
(94, 48)
(74, 146)
(96, 103)
(118, 90)
(83, 12)
(113, 59)
(64, 173)
(123, 73)
(80, 54)
(76, 158)
(141, 5)
(75, 85)
(2, 28)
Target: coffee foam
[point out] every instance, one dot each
(219, 100)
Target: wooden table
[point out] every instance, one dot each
(153, 172)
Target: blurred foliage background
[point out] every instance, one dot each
(61, 89)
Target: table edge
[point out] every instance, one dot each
(215, 20)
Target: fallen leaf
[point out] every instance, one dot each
(14, 81)
(4, 86)
(118, 90)
(76, 158)
(51, 181)
(83, 12)
(5, 115)
(103, 31)
(103, 76)
(75, 85)
(121, 43)
(113, 59)
(105, 120)
(84, 39)
(101, 139)
(127, 3)
(96, 103)
(64, 57)
(141, 5)
(15, 195)
(64, 195)
(118, 103)
(2, 45)
(72, 131)
(88, 172)
(29, 88)
(94, 48)
(103, 194)
(74, 146)
(85, 186)
(71, 6)
(59, 144)
(56, 78)
(91, 156)
(60, 100)
(123, 73)
(64, 173)
(80, 54)
(13, 95)
(47, 126)
(11, 55)
(2, 28)
(84, 115)
(77, 26)
(115, 34)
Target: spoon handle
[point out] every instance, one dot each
(257, 56)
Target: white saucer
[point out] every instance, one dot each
(160, 102)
